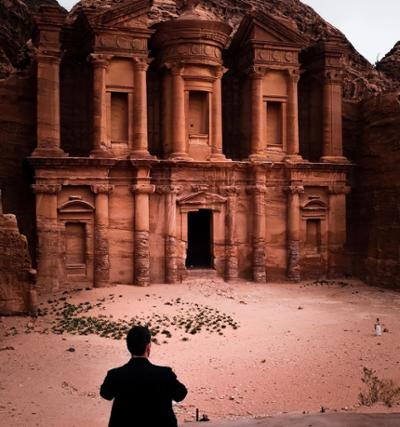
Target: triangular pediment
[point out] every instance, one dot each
(268, 29)
(202, 198)
(128, 14)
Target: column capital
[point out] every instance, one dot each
(219, 71)
(332, 76)
(46, 188)
(229, 190)
(295, 189)
(256, 72)
(256, 189)
(293, 74)
(176, 68)
(101, 188)
(169, 189)
(143, 188)
(141, 64)
(100, 60)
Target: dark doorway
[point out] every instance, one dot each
(199, 239)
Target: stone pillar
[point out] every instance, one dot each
(100, 145)
(167, 115)
(171, 249)
(332, 147)
(142, 190)
(48, 253)
(293, 147)
(293, 227)
(257, 143)
(140, 143)
(337, 229)
(48, 107)
(179, 143)
(258, 190)
(216, 135)
(101, 242)
(231, 249)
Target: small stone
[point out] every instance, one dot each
(71, 349)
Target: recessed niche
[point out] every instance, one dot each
(119, 117)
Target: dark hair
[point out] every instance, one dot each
(137, 339)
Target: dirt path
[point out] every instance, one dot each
(268, 349)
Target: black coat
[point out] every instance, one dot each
(143, 394)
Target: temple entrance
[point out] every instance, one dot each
(199, 251)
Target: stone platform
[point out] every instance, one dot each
(312, 420)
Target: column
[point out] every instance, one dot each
(48, 253)
(171, 250)
(293, 227)
(231, 249)
(332, 147)
(257, 143)
(140, 142)
(48, 107)
(101, 242)
(167, 115)
(142, 190)
(293, 146)
(337, 229)
(179, 144)
(216, 131)
(100, 144)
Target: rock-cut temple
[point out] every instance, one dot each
(182, 146)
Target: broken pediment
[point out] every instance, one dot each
(267, 29)
(128, 14)
(202, 199)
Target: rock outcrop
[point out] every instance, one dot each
(390, 63)
(17, 294)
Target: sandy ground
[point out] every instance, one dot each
(284, 348)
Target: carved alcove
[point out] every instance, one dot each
(76, 218)
(202, 223)
(314, 232)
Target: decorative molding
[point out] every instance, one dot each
(46, 188)
(143, 188)
(101, 188)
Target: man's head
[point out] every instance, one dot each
(138, 341)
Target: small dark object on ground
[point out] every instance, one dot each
(71, 349)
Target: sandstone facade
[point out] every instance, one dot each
(174, 135)
(198, 158)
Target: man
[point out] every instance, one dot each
(142, 392)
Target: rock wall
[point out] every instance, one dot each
(377, 192)
(17, 294)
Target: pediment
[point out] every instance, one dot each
(128, 14)
(315, 204)
(202, 198)
(76, 206)
(268, 29)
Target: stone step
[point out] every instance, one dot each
(202, 273)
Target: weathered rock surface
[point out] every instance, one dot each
(390, 63)
(16, 25)
(378, 191)
(16, 274)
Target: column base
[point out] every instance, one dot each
(219, 157)
(179, 156)
(49, 152)
(100, 153)
(141, 154)
(294, 158)
(334, 159)
(258, 158)
(102, 284)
